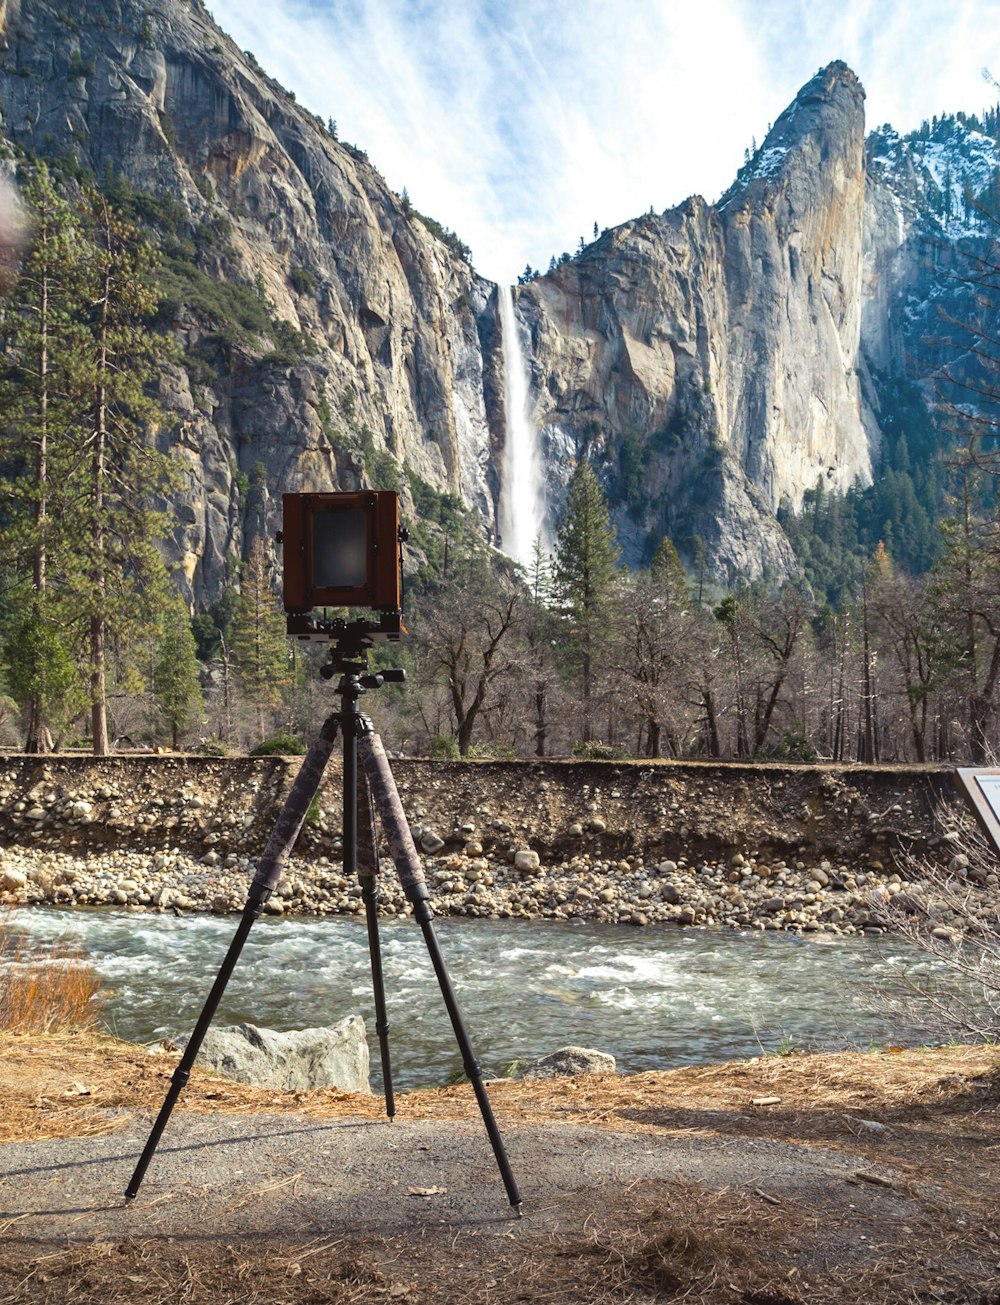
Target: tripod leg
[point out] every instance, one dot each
(182, 1073)
(411, 876)
(367, 860)
(269, 867)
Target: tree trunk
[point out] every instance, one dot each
(869, 750)
(711, 723)
(653, 733)
(35, 731)
(541, 725)
(99, 471)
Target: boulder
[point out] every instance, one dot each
(568, 1061)
(290, 1062)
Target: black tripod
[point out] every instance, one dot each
(377, 789)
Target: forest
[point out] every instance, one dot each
(886, 647)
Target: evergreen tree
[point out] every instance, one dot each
(966, 589)
(586, 559)
(540, 572)
(176, 682)
(667, 572)
(120, 472)
(259, 642)
(540, 637)
(40, 388)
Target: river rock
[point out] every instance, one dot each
(569, 1061)
(290, 1062)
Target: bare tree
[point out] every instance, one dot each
(918, 642)
(466, 633)
(765, 631)
(651, 656)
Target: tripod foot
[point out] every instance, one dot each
(518, 1212)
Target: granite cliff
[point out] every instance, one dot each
(714, 361)
(259, 194)
(719, 359)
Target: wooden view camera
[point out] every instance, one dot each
(342, 550)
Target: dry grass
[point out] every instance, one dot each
(938, 1109)
(69, 1085)
(45, 989)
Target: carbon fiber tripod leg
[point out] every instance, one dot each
(269, 867)
(411, 876)
(367, 866)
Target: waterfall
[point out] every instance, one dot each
(522, 497)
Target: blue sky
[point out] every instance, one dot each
(519, 125)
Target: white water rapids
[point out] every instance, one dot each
(652, 997)
(522, 499)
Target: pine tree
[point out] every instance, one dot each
(259, 642)
(176, 682)
(667, 572)
(586, 558)
(40, 388)
(539, 633)
(540, 572)
(966, 589)
(120, 472)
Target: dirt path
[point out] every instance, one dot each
(805, 1179)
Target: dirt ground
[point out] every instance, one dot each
(801, 1179)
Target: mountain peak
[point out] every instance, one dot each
(833, 100)
(825, 120)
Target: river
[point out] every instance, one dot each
(653, 998)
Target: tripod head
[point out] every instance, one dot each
(349, 659)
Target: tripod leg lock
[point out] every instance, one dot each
(423, 912)
(258, 896)
(180, 1077)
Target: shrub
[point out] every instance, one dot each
(212, 748)
(948, 912)
(45, 988)
(303, 281)
(444, 748)
(598, 751)
(280, 745)
(495, 750)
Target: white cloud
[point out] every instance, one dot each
(520, 124)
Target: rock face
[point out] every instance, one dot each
(720, 360)
(264, 198)
(719, 344)
(290, 1062)
(714, 361)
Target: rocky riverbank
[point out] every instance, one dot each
(750, 847)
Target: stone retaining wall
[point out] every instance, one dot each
(765, 846)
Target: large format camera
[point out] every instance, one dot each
(342, 550)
